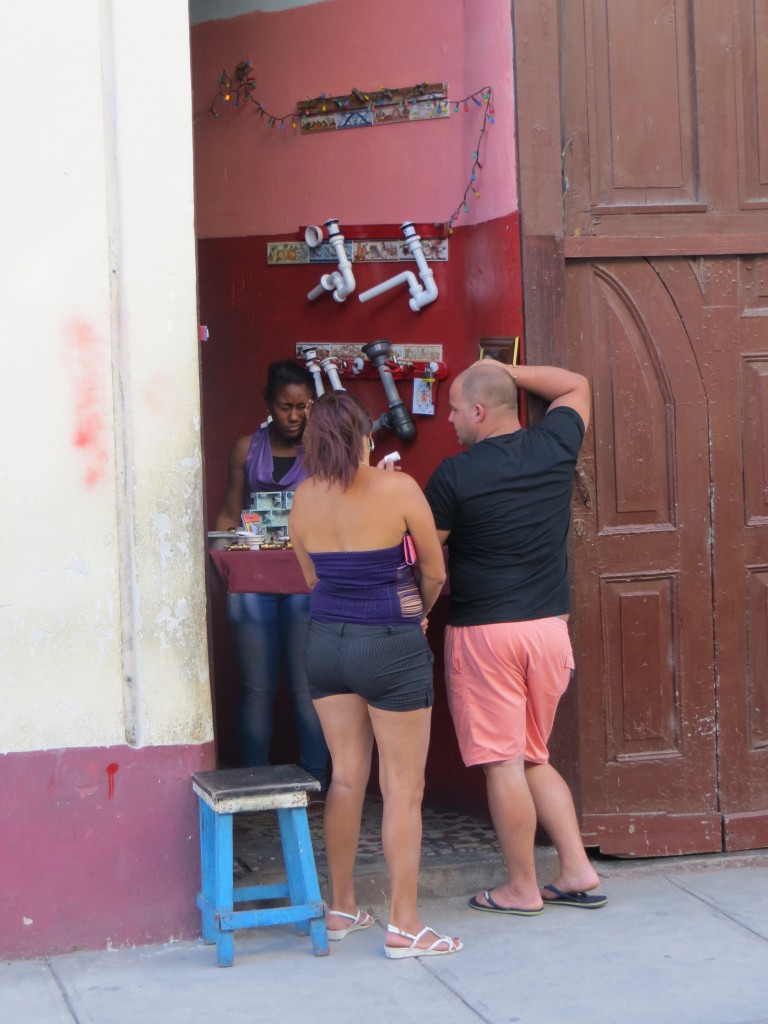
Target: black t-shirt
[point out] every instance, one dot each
(507, 502)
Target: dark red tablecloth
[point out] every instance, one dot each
(259, 572)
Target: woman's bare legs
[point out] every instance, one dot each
(402, 738)
(348, 733)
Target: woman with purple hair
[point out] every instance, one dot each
(356, 531)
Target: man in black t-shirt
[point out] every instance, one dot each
(503, 508)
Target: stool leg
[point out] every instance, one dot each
(302, 873)
(207, 870)
(218, 880)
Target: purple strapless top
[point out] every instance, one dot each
(375, 588)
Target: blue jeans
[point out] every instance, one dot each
(271, 629)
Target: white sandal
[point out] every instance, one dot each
(401, 952)
(359, 921)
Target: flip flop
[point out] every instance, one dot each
(496, 908)
(574, 899)
(360, 920)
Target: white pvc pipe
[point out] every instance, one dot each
(329, 365)
(335, 282)
(421, 294)
(313, 236)
(347, 285)
(429, 293)
(314, 369)
(345, 281)
(342, 281)
(378, 289)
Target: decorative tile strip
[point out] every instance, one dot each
(423, 102)
(362, 250)
(325, 253)
(282, 253)
(349, 351)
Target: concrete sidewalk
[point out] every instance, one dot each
(680, 942)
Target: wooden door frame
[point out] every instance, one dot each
(738, 228)
(537, 41)
(536, 29)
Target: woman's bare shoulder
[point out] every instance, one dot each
(303, 489)
(400, 482)
(394, 490)
(241, 446)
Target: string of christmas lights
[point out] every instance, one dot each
(482, 98)
(240, 91)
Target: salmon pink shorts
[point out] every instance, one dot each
(504, 683)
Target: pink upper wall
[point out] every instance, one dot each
(251, 179)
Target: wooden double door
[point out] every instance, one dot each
(644, 204)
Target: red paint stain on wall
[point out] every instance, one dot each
(111, 773)
(89, 433)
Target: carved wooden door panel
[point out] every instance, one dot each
(644, 205)
(725, 304)
(739, 390)
(641, 570)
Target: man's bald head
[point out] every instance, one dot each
(489, 386)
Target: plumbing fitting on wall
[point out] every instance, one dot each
(421, 294)
(316, 368)
(310, 355)
(342, 281)
(397, 417)
(332, 372)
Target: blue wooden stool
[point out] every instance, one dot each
(221, 795)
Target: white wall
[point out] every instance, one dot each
(102, 594)
(211, 10)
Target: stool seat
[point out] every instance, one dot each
(222, 794)
(254, 789)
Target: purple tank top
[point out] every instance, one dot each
(375, 588)
(259, 466)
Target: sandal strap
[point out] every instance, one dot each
(354, 918)
(438, 938)
(424, 931)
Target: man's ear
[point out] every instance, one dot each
(478, 413)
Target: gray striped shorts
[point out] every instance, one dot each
(389, 666)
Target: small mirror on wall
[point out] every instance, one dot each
(504, 350)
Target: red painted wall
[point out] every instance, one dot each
(255, 184)
(256, 314)
(98, 847)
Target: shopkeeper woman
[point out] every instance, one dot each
(270, 629)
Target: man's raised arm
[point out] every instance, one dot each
(554, 384)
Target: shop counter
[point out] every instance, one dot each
(263, 572)
(259, 572)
